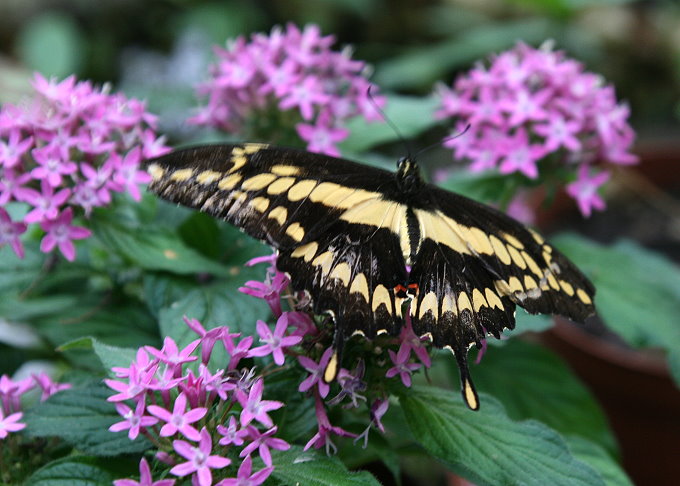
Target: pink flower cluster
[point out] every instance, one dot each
(67, 150)
(534, 109)
(191, 415)
(287, 70)
(11, 392)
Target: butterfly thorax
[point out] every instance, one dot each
(408, 176)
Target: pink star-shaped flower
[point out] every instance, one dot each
(263, 442)
(46, 203)
(134, 419)
(322, 137)
(245, 476)
(51, 165)
(254, 408)
(274, 342)
(145, 478)
(171, 355)
(180, 419)
(10, 232)
(200, 461)
(48, 386)
(402, 367)
(60, 233)
(232, 434)
(316, 371)
(584, 190)
(10, 423)
(323, 436)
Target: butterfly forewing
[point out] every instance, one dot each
(345, 233)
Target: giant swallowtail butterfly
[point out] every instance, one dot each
(348, 234)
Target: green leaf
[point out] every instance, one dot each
(156, 249)
(600, 459)
(411, 114)
(18, 273)
(121, 323)
(422, 66)
(638, 292)
(532, 382)
(312, 468)
(81, 471)
(109, 356)
(52, 44)
(220, 304)
(81, 417)
(487, 447)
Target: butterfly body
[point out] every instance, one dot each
(365, 242)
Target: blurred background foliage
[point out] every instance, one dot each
(158, 49)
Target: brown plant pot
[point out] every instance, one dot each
(638, 395)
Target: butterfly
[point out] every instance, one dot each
(364, 242)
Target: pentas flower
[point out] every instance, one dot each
(274, 342)
(323, 436)
(316, 373)
(65, 151)
(134, 419)
(179, 419)
(199, 460)
(246, 477)
(402, 365)
(11, 392)
(294, 71)
(584, 190)
(531, 111)
(61, 233)
(10, 423)
(228, 405)
(10, 232)
(145, 478)
(263, 442)
(254, 408)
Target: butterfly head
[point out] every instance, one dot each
(408, 175)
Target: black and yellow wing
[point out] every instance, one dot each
(346, 232)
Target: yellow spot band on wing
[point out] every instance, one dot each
(208, 177)
(583, 296)
(296, 232)
(182, 175)
(279, 214)
(464, 302)
(301, 190)
(281, 185)
(500, 250)
(260, 204)
(307, 251)
(478, 300)
(229, 182)
(567, 287)
(513, 241)
(429, 303)
(493, 299)
(285, 170)
(156, 171)
(258, 182)
(360, 286)
(342, 272)
(381, 296)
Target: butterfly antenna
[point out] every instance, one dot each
(390, 123)
(444, 140)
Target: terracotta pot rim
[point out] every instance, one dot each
(642, 361)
